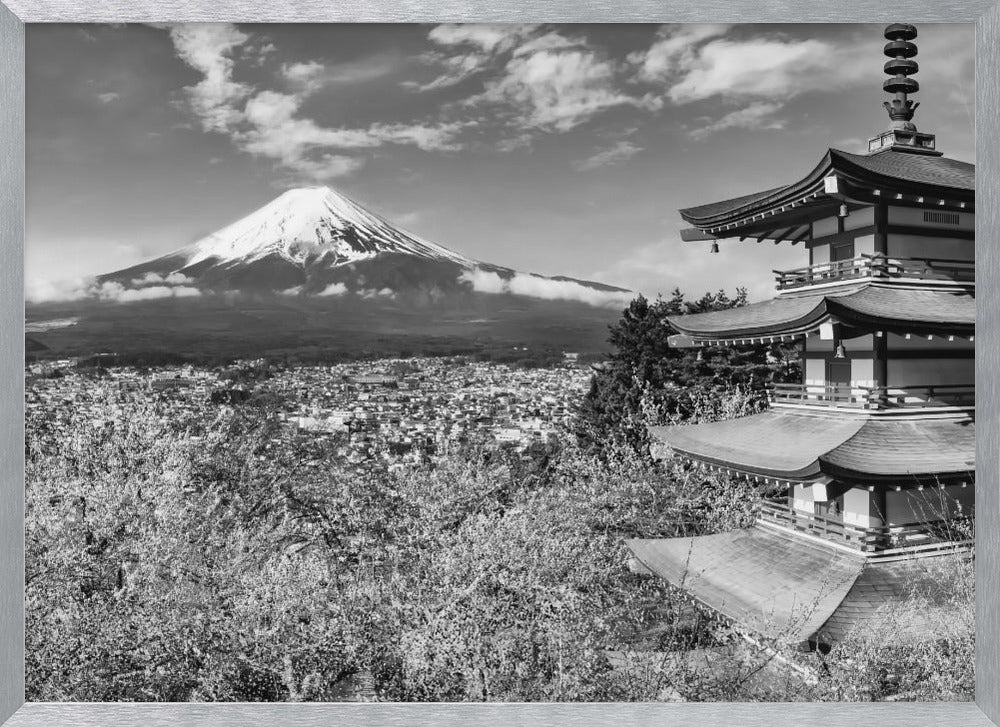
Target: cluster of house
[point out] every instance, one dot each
(400, 411)
(408, 410)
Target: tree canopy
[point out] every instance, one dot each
(647, 381)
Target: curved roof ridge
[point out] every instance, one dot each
(916, 309)
(913, 172)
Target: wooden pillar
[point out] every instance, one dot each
(881, 507)
(881, 229)
(880, 359)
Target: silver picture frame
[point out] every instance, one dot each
(14, 14)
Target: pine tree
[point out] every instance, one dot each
(644, 369)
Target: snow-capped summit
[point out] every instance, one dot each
(310, 223)
(314, 242)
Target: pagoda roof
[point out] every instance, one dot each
(895, 172)
(793, 445)
(871, 305)
(781, 586)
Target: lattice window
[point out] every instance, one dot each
(942, 218)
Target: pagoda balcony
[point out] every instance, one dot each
(878, 267)
(915, 538)
(873, 398)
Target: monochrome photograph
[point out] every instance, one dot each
(499, 363)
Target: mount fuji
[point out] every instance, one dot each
(314, 241)
(314, 274)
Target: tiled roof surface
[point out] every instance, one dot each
(892, 305)
(924, 306)
(914, 171)
(917, 168)
(788, 444)
(777, 443)
(757, 577)
(882, 583)
(899, 448)
(722, 206)
(781, 585)
(776, 314)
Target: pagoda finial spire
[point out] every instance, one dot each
(901, 50)
(902, 134)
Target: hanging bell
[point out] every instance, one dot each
(840, 351)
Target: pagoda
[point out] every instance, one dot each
(871, 455)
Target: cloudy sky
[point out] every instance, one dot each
(552, 149)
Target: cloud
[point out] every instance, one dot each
(268, 123)
(149, 287)
(278, 133)
(488, 38)
(324, 168)
(557, 90)
(551, 41)
(618, 152)
(674, 48)
(334, 289)
(310, 76)
(55, 291)
(116, 293)
(306, 77)
(767, 68)
(260, 49)
(157, 279)
(542, 80)
(208, 48)
(483, 44)
(760, 74)
(108, 97)
(457, 69)
(758, 115)
(535, 286)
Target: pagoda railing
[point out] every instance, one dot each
(918, 536)
(849, 396)
(877, 266)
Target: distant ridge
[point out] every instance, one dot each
(309, 239)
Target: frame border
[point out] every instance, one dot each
(15, 13)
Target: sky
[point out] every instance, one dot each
(554, 149)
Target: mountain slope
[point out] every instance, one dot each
(315, 241)
(314, 274)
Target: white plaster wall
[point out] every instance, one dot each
(858, 508)
(864, 217)
(864, 245)
(802, 498)
(825, 226)
(863, 372)
(815, 371)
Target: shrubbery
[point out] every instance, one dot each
(226, 560)
(236, 567)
